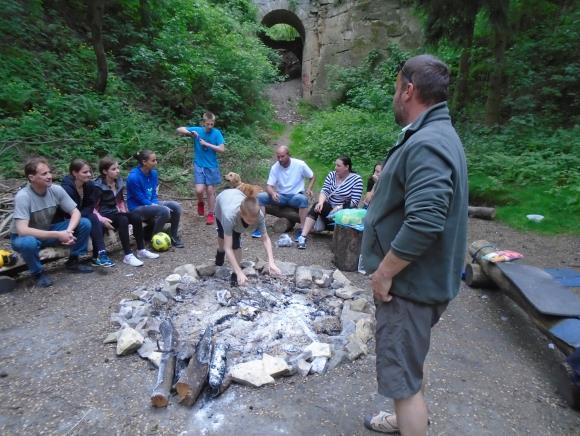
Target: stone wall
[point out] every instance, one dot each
(341, 32)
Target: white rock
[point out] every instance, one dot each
(274, 366)
(303, 277)
(348, 292)
(155, 358)
(365, 329)
(319, 349)
(355, 348)
(251, 373)
(206, 269)
(318, 365)
(111, 338)
(188, 269)
(339, 280)
(359, 305)
(303, 367)
(173, 279)
(147, 348)
(128, 341)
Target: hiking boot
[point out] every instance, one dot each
(42, 280)
(176, 242)
(146, 254)
(73, 265)
(210, 219)
(130, 259)
(257, 234)
(103, 260)
(200, 208)
(382, 422)
(220, 256)
(297, 234)
(301, 242)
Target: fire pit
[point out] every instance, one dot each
(201, 329)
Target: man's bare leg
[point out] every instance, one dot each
(412, 415)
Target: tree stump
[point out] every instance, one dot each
(476, 278)
(346, 243)
(484, 213)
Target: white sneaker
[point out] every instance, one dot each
(146, 254)
(130, 259)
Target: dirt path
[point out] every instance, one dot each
(491, 371)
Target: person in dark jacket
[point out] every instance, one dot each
(414, 240)
(79, 186)
(142, 186)
(113, 212)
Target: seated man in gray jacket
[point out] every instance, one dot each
(35, 206)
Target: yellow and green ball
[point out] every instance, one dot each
(161, 241)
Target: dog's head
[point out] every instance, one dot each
(234, 179)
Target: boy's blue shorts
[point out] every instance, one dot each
(206, 176)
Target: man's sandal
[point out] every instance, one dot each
(382, 422)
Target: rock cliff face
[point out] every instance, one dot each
(341, 32)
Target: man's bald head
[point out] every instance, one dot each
(283, 156)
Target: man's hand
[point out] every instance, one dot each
(275, 197)
(66, 237)
(381, 286)
(274, 269)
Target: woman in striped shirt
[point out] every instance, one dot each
(342, 188)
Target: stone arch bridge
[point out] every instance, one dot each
(339, 32)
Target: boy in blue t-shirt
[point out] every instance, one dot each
(207, 142)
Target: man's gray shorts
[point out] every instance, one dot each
(403, 336)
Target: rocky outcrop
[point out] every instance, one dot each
(341, 33)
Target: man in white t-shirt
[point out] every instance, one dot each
(286, 185)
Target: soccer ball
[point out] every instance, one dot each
(161, 241)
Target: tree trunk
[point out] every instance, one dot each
(485, 213)
(461, 94)
(496, 86)
(194, 377)
(95, 18)
(346, 243)
(145, 14)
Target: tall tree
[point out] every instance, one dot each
(95, 19)
(498, 18)
(455, 20)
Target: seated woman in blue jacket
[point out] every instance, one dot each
(79, 186)
(113, 211)
(142, 186)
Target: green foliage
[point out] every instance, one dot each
(282, 32)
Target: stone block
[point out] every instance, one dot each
(128, 341)
(275, 366)
(251, 373)
(339, 280)
(337, 358)
(303, 367)
(348, 292)
(303, 277)
(355, 348)
(318, 365)
(319, 349)
(111, 338)
(206, 269)
(188, 269)
(365, 329)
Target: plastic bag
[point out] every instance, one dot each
(350, 216)
(319, 225)
(284, 240)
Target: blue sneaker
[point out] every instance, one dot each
(297, 234)
(257, 234)
(103, 260)
(301, 242)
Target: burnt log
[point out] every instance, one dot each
(346, 243)
(288, 217)
(194, 377)
(484, 213)
(161, 391)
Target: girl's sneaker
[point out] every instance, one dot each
(103, 260)
(146, 254)
(130, 259)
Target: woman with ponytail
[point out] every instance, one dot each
(142, 186)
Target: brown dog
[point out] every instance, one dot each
(235, 181)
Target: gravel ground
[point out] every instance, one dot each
(491, 371)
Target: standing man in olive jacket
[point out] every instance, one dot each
(414, 240)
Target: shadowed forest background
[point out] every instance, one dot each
(87, 79)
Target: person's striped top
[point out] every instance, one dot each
(350, 189)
